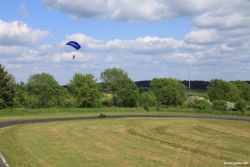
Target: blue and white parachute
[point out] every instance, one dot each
(75, 45)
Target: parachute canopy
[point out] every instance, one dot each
(74, 44)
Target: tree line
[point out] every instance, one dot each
(118, 89)
(195, 85)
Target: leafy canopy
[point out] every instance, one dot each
(85, 89)
(124, 90)
(44, 89)
(168, 91)
(7, 84)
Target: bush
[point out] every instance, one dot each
(241, 105)
(198, 102)
(229, 106)
(168, 91)
(244, 89)
(107, 100)
(1, 103)
(148, 99)
(221, 105)
(129, 96)
(44, 90)
(85, 90)
(124, 91)
(222, 90)
(66, 99)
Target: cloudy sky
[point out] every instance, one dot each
(146, 38)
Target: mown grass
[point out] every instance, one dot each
(127, 142)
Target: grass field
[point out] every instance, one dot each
(127, 142)
(26, 113)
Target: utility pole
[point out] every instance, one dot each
(189, 84)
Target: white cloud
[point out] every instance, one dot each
(29, 58)
(18, 33)
(68, 56)
(133, 55)
(203, 36)
(11, 51)
(133, 9)
(141, 45)
(218, 42)
(226, 49)
(189, 58)
(14, 66)
(222, 21)
(109, 59)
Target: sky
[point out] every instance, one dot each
(146, 38)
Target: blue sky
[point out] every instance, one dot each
(55, 21)
(146, 38)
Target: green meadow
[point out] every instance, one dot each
(141, 142)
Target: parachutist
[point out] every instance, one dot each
(75, 45)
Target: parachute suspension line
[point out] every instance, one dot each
(189, 83)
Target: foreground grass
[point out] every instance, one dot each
(127, 142)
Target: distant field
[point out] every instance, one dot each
(141, 142)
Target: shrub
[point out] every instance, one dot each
(45, 90)
(148, 99)
(168, 91)
(198, 102)
(128, 97)
(66, 99)
(222, 90)
(107, 100)
(219, 105)
(244, 89)
(229, 106)
(241, 105)
(85, 90)
(124, 91)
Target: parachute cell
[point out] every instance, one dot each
(74, 44)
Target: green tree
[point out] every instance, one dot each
(112, 79)
(222, 90)
(6, 89)
(66, 99)
(44, 90)
(168, 91)
(128, 95)
(85, 90)
(244, 89)
(148, 99)
(21, 95)
(123, 89)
